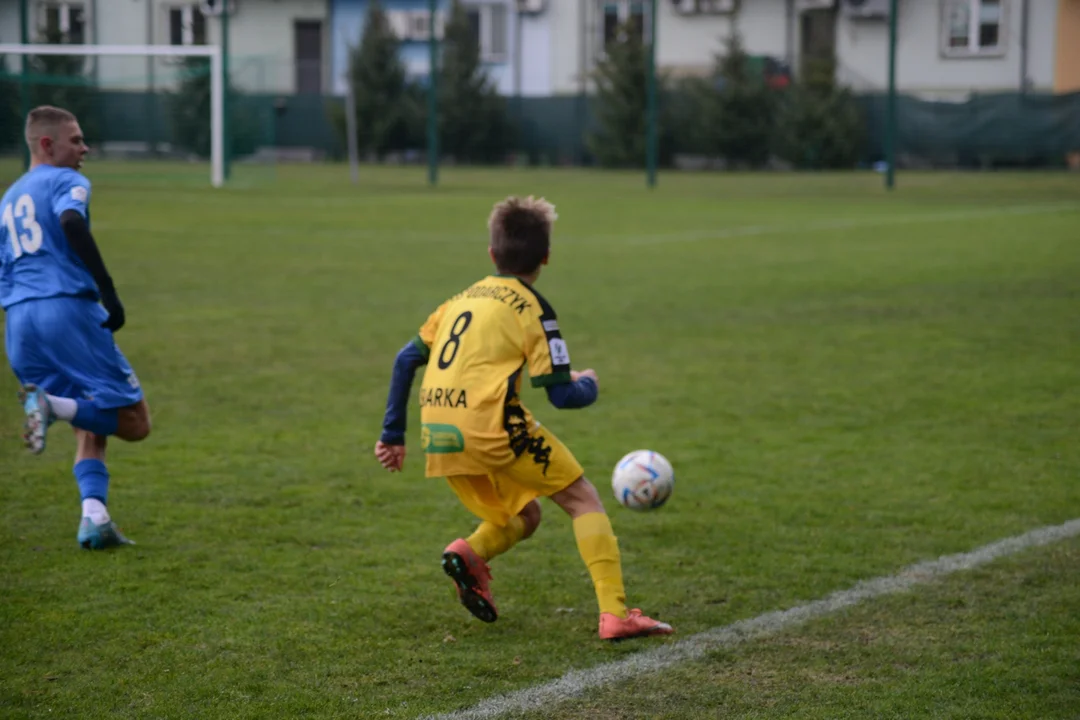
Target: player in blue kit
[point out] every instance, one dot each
(61, 312)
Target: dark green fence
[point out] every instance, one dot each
(1035, 130)
(1009, 129)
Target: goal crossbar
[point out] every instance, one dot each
(217, 85)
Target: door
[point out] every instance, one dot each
(308, 45)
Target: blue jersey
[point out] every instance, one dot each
(35, 258)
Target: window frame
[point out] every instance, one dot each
(485, 11)
(193, 9)
(624, 10)
(64, 10)
(973, 49)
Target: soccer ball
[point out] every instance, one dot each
(643, 480)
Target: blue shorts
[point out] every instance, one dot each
(59, 345)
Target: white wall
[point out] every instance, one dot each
(262, 43)
(10, 29)
(684, 43)
(564, 23)
(691, 42)
(261, 40)
(862, 47)
(537, 56)
(1042, 50)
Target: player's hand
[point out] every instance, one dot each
(392, 457)
(116, 318)
(590, 373)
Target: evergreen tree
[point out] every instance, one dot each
(189, 109)
(739, 109)
(10, 122)
(190, 106)
(61, 81)
(820, 124)
(473, 121)
(619, 140)
(388, 113)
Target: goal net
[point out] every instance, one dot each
(165, 103)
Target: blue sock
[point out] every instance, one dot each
(100, 422)
(93, 479)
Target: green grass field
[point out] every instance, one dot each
(846, 381)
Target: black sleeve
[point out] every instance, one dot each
(82, 243)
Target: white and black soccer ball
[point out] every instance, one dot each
(643, 480)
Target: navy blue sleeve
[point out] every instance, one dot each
(409, 358)
(573, 395)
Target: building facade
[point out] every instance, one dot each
(945, 48)
(277, 46)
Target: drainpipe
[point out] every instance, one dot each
(1024, 27)
(518, 52)
(789, 35)
(96, 41)
(583, 48)
(151, 95)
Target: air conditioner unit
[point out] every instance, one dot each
(419, 25)
(414, 25)
(684, 7)
(213, 8)
(865, 9)
(531, 7)
(804, 5)
(717, 7)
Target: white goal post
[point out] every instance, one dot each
(217, 86)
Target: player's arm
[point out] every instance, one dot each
(410, 358)
(70, 205)
(580, 392)
(390, 449)
(549, 363)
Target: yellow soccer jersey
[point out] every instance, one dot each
(477, 344)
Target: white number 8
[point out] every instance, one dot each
(30, 240)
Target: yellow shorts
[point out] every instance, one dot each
(546, 467)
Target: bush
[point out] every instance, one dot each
(61, 81)
(737, 109)
(189, 109)
(820, 125)
(10, 120)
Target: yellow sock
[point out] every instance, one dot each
(490, 540)
(600, 550)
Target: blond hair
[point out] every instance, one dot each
(520, 230)
(45, 121)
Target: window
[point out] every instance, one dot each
(488, 24)
(187, 26)
(622, 12)
(64, 22)
(973, 27)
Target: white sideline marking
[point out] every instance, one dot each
(826, 225)
(576, 682)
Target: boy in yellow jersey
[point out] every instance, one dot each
(476, 432)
